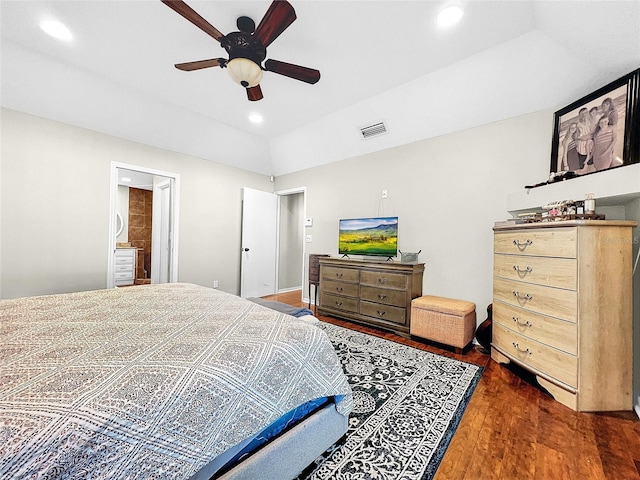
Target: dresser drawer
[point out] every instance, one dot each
(552, 362)
(347, 304)
(340, 288)
(553, 272)
(384, 295)
(124, 258)
(341, 274)
(123, 276)
(545, 242)
(124, 268)
(383, 312)
(546, 330)
(383, 279)
(550, 301)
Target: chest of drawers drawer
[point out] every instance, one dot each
(554, 363)
(557, 242)
(347, 304)
(552, 272)
(383, 295)
(550, 331)
(340, 274)
(124, 268)
(384, 279)
(386, 313)
(554, 302)
(340, 288)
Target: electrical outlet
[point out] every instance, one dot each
(309, 238)
(384, 194)
(215, 284)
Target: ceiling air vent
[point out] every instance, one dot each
(373, 130)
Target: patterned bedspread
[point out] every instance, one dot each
(148, 382)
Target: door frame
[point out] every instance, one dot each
(280, 193)
(174, 213)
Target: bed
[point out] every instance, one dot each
(169, 381)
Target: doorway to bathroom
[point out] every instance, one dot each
(143, 226)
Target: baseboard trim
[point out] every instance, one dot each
(290, 289)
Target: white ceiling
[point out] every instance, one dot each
(379, 60)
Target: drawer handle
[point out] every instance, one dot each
(339, 304)
(525, 324)
(338, 289)
(382, 280)
(526, 298)
(522, 246)
(522, 272)
(382, 297)
(381, 313)
(339, 275)
(526, 350)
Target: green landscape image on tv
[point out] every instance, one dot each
(369, 236)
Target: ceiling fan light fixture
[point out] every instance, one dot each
(244, 72)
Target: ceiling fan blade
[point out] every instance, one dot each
(197, 65)
(190, 14)
(290, 70)
(279, 16)
(254, 93)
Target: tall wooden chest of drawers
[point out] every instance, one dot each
(562, 308)
(375, 293)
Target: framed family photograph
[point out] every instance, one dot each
(600, 131)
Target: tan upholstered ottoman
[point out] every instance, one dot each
(443, 320)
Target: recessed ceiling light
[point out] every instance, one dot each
(450, 15)
(255, 117)
(56, 29)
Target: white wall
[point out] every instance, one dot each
(447, 192)
(55, 208)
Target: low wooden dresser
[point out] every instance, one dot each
(374, 293)
(562, 308)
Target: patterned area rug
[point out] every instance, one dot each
(407, 405)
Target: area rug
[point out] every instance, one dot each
(407, 405)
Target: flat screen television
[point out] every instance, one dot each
(377, 236)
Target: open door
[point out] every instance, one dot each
(259, 243)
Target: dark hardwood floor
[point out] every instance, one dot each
(512, 430)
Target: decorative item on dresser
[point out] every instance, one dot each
(370, 292)
(314, 275)
(562, 308)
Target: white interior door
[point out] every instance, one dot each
(259, 244)
(161, 232)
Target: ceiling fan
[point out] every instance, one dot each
(247, 48)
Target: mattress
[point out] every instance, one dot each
(154, 380)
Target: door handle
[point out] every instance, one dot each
(245, 249)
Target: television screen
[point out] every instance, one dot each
(369, 236)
